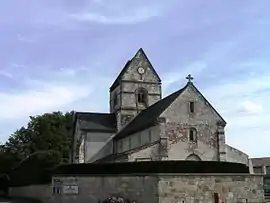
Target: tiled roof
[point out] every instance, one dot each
(148, 117)
(97, 121)
(264, 161)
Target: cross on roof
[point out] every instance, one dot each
(189, 78)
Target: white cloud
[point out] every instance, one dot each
(251, 107)
(121, 11)
(40, 100)
(5, 74)
(131, 17)
(27, 39)
(244, 105)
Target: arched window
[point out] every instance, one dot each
(192, 135)
(141, 96)
(193, 157)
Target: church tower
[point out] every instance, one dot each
(136, 87)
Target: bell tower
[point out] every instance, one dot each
(136, 87)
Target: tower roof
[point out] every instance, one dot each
(119, 77)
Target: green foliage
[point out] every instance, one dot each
(35, 169)
(43, 143)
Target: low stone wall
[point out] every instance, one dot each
(39, 192)
(149, 188)
(165, 188)
(235, 155)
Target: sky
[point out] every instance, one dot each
(63, 55)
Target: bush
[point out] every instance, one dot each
(37, 169)
(117, 199)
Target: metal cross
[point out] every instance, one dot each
(189, 78)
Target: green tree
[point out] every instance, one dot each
(47, 132)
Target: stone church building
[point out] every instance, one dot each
(144, 126)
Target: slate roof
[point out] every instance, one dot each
(265, 161)
(148, 116)
(104, 122)
(116, 82)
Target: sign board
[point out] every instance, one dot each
(71, 189)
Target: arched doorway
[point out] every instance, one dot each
(193, 157)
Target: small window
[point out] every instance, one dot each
(192, 135)
(142, 96)
(115, 100)
(191, 107)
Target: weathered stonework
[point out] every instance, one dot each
(179, 121)
(129, 83)
(157, 188)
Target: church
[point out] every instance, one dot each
(144, 126)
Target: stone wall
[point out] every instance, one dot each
(235, 155)
(201, 188)
(179, 120)
(154, 188)
(39, 192)
(138, 139)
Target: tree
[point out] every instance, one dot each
(47, 132)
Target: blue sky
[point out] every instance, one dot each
(64, 55)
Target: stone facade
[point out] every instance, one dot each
(126, 106)
(171, 132)
(157, 188)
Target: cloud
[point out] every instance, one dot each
(121, 12)
(5, 74)
(27, 39)
(251, 107)
(39, 100)
(131, 17)
(244, 104)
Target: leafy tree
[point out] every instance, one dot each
(47, 132)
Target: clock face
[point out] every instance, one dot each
(141, 70)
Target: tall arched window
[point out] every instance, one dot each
(141, 95)
(192, 135)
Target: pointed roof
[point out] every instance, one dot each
(118, 79)
(149, 116)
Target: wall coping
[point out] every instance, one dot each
(158, 174)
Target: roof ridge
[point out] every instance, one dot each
(148, 116)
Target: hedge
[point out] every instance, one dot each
(152, 167)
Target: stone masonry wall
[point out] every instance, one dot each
(235, 155)
(153, 188)
(179, 120)
(93, 189)
(201, 188)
